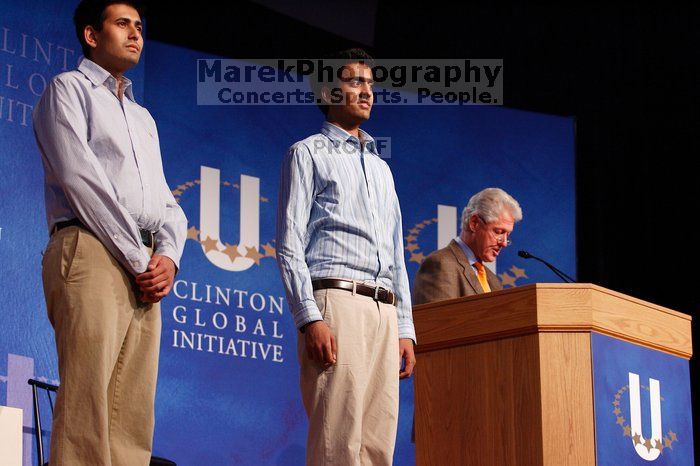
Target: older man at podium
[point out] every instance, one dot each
(458, 269)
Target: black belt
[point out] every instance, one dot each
(146, 236)
(375, 292)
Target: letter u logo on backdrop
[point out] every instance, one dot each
(649, 454)
(210, 215)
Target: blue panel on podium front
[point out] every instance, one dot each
(642, 403)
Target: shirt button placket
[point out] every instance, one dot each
(373, 210)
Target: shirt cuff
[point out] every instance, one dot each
(305, 312)
(138, 259)
(406, 330)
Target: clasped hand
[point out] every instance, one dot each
(157, 281)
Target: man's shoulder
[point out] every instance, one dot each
(69, 85)
(73, 78)
(66, 87)
(307, 147)
(441, 256)
(380, 160)
(308, 142)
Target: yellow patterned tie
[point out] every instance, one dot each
(481, 275)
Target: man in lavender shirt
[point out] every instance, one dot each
(117, 235)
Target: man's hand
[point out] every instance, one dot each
(408, 357)
(155, 283)
(320, 343)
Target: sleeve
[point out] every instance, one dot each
(171, 237)
(60, 127)
(296, 196)
(400, 279)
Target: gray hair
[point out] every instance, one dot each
(489, 204)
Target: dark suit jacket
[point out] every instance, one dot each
(446, 274)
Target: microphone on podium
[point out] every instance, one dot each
(560, 274)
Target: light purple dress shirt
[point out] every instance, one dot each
(102, 164)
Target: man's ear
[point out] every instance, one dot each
(326, 95)
(90, 36)
(473, 221)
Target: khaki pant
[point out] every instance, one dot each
(353, 406)
(107, 343)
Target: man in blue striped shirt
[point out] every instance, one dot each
(340, 253)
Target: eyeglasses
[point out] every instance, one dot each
(500, 239)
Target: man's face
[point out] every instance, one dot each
(118, 45)
(489, 238)
(356, 86)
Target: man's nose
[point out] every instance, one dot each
(365, 90)
(134, 33)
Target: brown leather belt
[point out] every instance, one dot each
(146, 236)
(377, 293)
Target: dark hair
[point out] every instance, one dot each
(345, 57)
(92, 13)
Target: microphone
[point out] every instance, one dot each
(559, 273)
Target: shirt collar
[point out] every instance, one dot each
(339, 136)
(99, 76)
(467, 251)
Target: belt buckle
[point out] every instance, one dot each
(376, 293)
(147, 235)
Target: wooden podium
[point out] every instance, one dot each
(505, 378)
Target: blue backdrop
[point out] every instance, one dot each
(228, 382)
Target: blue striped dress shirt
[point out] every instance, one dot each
(102, 164)
(339, 216)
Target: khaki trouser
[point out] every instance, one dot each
(353, 406)
(107, 343)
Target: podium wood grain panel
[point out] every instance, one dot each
(566, 384)
(475, 318)
(549, 307)
(643, 323)
(471, 413)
